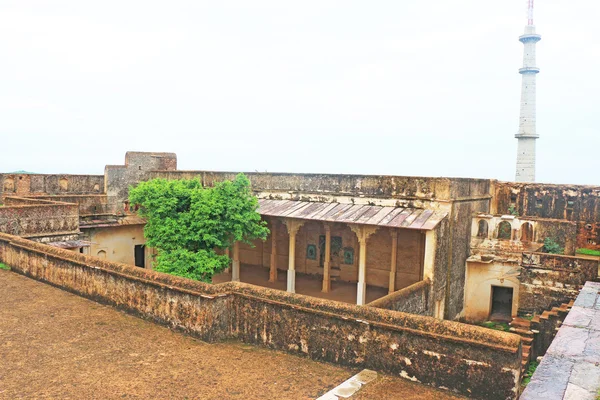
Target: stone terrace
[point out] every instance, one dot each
(54, 344)
(571, 367)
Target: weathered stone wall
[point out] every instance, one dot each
(28, 184)
(89, 204)
(570, 369)
(562, 232)
(547, 280)
(460, 241)
(413, 299)
(118, 178)
(580, 204)
(474, 361)
(376, 186)
(35, 218)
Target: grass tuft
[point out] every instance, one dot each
(531, 367)
(499, 326)
(4, 267)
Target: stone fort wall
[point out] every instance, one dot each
(474, 361)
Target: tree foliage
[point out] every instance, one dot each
(187, 223)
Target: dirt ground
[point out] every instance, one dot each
(54, 344)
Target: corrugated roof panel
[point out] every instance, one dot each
(319, 215)
(400, 217)
(421, 219)
(379, 217)
(294, 207)
(392, 217)
(366, 217)
(352, 213)
(410, 219)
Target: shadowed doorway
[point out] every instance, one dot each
(502, 298)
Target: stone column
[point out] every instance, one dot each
(273, 264)
(362, 232)
(293, 225)
(228, 269)
(392, 288)
(327, 261)
(235, 265)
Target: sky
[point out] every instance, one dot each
(419, 88)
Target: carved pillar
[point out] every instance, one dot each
(235, 265)
(293, 225)
(362, 232)
(327, 261)
(393, 261)
(273, 264)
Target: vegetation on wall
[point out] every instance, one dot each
(189, 224)
(531, 367)
(550, 246)
(5, 267)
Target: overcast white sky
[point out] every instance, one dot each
(397, 87)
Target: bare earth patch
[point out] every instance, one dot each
(54, 344)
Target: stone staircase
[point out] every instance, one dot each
(537, 334)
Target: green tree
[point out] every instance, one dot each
(187, 223)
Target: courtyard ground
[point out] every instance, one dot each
(54, 344)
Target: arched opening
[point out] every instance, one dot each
(482, 230)
(527, 232)
(9, 185)
(102, 254)
(63, 183)
(504, 230)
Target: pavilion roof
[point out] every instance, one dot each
(392, 217)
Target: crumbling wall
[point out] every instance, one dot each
(562, 232)
(375, 186)
(460, 227)
(413, 299)
(34, 218)
(547, 280)
(576, 203)
(42, 184)
(474, 361)
(89, 204)
(118, 178)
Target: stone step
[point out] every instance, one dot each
(521, 323)
(527, 340)
(522, 332)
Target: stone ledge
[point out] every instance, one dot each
(571, 367)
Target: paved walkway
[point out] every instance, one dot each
(54, 344)
(309, 285)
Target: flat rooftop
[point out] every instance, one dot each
(54, 344)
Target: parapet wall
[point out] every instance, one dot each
(36, 218)
(42, 184)
(580, 204)
(89, 205)
(547, 280)
(413, 299)
(372, 186)
(474, 361)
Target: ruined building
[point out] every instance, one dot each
(372, 260)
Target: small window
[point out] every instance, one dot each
(482, 230)
(349, 256)
(311, 252)
(539, 203)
